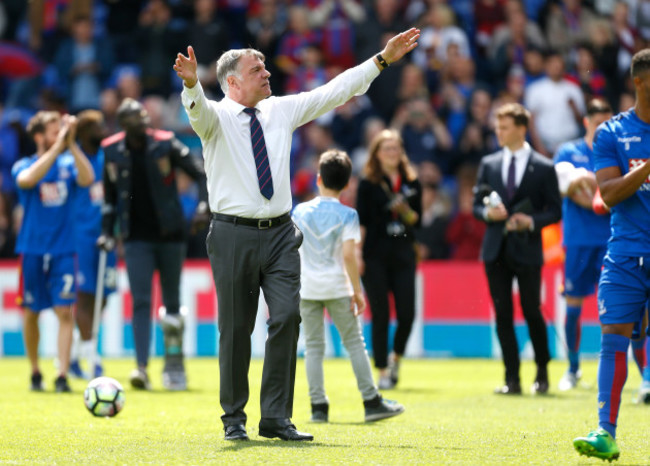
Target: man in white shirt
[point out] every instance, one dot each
(557, 106)
(252, 242)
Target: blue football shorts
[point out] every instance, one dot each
(624, 289)
(46, 281)
(582, 269)
(88, 264)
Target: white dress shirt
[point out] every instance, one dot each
(521, 160)
(548, 101)
(224, 130)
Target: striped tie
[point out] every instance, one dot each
(261, 158)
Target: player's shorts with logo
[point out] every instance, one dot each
(47, 281)
(582, 269)
(624, 289)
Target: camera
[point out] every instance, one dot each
(395, 229)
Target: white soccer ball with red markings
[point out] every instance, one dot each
(104, 397)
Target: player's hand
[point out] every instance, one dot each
(71, 135)
(62, 136)
(357, 303)
(400, 45)
(185, 68)
(106, 243)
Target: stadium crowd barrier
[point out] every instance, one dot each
(454, 316)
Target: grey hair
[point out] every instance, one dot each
(228, 65)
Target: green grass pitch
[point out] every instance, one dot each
(451, 417)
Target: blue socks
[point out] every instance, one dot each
(612, 373)
(572, 331)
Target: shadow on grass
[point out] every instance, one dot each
(270, 443)
(163, 391)
(277, 443)
(411, 390)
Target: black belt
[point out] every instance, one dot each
(259, 223)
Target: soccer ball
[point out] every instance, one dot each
(104, 397)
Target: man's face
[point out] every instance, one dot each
(509, 134)
(135, 122)
(254, 83)
(642, 84)
(95, 134)
(593, 121)
(555, 67)
(51, 132)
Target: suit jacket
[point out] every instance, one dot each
(537, 195)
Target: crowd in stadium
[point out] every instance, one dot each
(552, 56)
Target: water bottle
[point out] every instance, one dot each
(493, 200)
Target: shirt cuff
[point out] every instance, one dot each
(190, 96)
(370, 68)
(485, 214)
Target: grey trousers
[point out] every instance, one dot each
(348, 326)
(245, 259)
(142, 259)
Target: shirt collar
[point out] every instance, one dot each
(519, 153)
(235, 106)
(327, 198)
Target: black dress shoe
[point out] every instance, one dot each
(235, 432)
(540, 387)
(282, 428)
(510, 388)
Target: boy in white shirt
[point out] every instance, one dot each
(330, 280)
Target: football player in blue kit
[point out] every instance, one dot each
(88, 228)
(622, 163)
(46, 183)
(585, 233)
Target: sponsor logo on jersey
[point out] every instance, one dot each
(633, 164)
(628, 140)
(53, 194)
(579, 158)
(96, 192)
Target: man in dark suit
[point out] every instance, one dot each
(516, 195)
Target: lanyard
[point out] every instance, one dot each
(391, 193)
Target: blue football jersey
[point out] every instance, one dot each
(581, 227)
(48, 220)
(623, 142)
(88, 202)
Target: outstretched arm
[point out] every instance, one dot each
(398, 46)
(185, 67)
